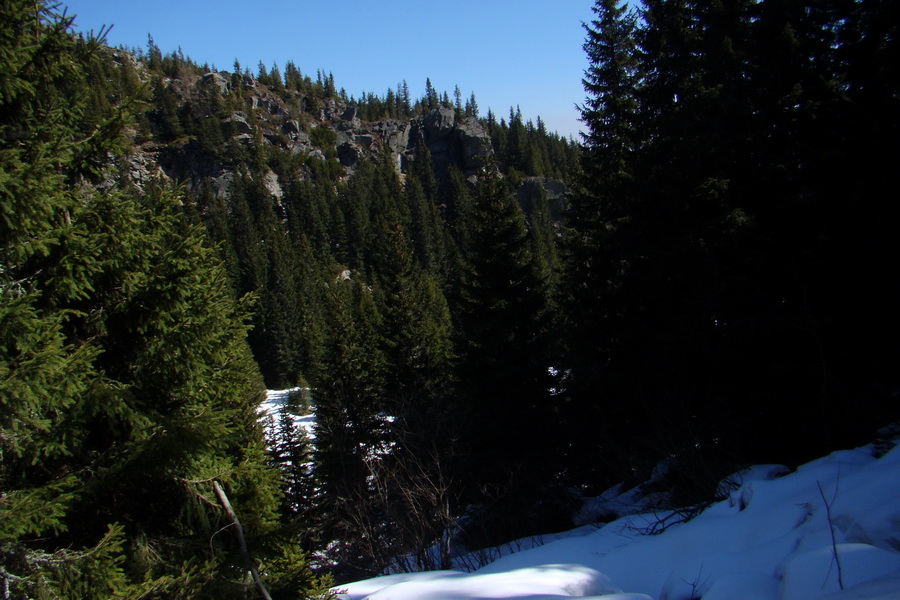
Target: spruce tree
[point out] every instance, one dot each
(611, 82)
(598, 210)
(702, 250)
(456, 199)
(416, 338)
(431, 96)
(428, 225)
(350, 426)
(128, 391)
(292, 451)
(503, 346)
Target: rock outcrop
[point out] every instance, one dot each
(333, 129)
(459, 142)
(556, 193)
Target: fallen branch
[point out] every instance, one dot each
(242, 542)
(837, 558)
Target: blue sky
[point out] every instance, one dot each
(524, 53)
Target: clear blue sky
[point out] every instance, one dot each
(508, 52)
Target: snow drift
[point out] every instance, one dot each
(830, 530)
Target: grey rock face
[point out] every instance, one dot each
(239, 124)
(279, 119)
(476, 144)
(222, 184)
(268, 103)
(451, 141)
(394, 134)
(556, 192)
(439, 122)
(218, 80)
(270, 181)
(349, 153)
(144, 166)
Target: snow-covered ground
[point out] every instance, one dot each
(278, 399)
(830, 530)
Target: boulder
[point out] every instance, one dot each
(239, 124)
(348, 154)
(365, 140)
(329, 109)
(351, 116)
(342, 137)
(121, 57)
(270, 182)
(291, 128)
(217, 80)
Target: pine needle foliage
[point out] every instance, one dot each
(126, 384)
(727, 251)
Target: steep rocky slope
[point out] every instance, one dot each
(239, 109)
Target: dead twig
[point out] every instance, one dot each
(837, 557)
(242, 542)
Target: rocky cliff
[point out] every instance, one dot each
(333, 130)
(239, 109)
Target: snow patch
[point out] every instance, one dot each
(769, 539)
(810, 575)
(536, 583)
(277, 400)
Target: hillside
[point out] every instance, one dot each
(196, 115)
(825, 531)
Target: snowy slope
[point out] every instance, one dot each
(772, 539)
(278, 399)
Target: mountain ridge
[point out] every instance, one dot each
(329, 130)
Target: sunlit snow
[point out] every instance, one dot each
(828, 531)
(771, 539)
(276, 400)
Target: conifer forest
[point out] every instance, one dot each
(486, 319)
